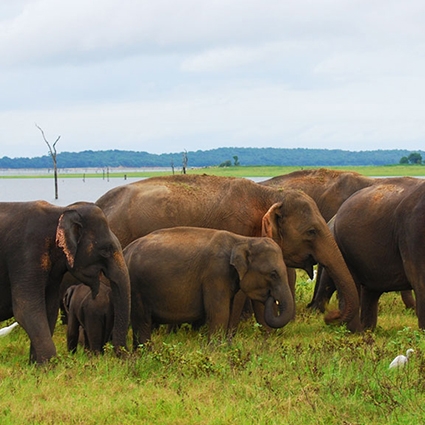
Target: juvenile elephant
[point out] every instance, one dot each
(94, 316)
(330, 189)
(289, 217)
(39, 243)
(380, 231)
(186, 274)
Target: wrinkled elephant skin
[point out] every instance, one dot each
(289, 217)
(187, 274)
(380, 231)
(330, 189)
(39, 244)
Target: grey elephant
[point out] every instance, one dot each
(290, 217)
(380, 231)
(187, 274)
(330, 189)
(39, 244)
(95, 317)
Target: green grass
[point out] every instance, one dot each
(260, 171)
(305, 373)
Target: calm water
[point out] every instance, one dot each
(69, 190)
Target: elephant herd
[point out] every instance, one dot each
(194, 248)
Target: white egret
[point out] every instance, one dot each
(401, 360)
(6, 331)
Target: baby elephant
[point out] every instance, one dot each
(94, 316)
(186, 274)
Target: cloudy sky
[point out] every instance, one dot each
(168, 75)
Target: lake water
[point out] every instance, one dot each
(69, 190)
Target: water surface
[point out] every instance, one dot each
(69, 190)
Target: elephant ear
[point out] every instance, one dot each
(68, 234)
(240, 258)
(270, 222)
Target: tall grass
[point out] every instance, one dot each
(305, 373)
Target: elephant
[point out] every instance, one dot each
(94, 316)
(40, 243)
(186, 274)
(290, 217)
(329, 189)
(379, 231)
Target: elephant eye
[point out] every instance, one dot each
(105, 252)
(274, 274)
(312, 232)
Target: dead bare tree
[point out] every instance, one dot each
(53, 154)
(184, 161)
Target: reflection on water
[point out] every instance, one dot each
(69, 190)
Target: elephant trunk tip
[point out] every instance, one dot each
(335, 317)
(277, 314)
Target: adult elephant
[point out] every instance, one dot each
(241, 206)
(95, 317)
(221, 263)
(329, 189)
(381, 234)
(39, 244)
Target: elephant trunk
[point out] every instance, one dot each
(279, 310)
(120, 287)
(337, 269)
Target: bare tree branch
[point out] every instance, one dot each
(53, 153)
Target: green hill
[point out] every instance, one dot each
(213, 157)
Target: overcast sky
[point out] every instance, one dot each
(168, 75)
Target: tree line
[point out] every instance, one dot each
(218, 157)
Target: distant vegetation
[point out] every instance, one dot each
(224, 157)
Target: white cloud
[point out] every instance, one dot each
(166, 76)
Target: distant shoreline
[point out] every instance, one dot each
(233, 171)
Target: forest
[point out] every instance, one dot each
(219, 157)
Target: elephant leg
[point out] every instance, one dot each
(259, 315)
(408, 299)
(95, 335)
(369, 307)
(218, 317)
(30, 313)
(292, 279)
(141, 323)
(72, 333)
(323, 290)
(238, 304)
(83, 340)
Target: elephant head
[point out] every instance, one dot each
(92, 250)
(263, 277)
(297, 226)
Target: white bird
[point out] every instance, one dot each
(401, 360)
(6, 331)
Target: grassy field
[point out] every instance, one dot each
(306, 373)
(260, 171)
